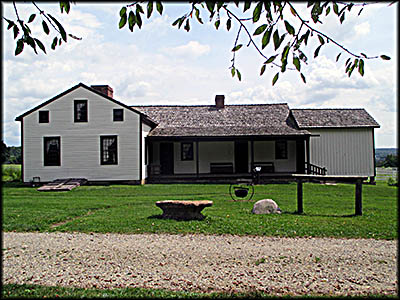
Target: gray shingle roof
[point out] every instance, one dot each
(232, 120)
(333, 118)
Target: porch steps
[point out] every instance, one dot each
(65, 184)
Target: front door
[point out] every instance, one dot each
(241, 157)
(167, 158)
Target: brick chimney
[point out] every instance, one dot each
(219, 101)
(104, 89)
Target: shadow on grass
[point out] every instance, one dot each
(318, 215)
(160, 217)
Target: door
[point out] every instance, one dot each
(241, 157)
(300, 161)
(167, 158)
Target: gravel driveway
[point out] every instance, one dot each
(279, 266)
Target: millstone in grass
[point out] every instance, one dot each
(266, 206)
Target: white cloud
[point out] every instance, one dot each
(192, 49)
(362, 29)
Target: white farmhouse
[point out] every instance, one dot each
(85, 133)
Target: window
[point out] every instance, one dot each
(51, 151)
(186, 151)
(44, 116)
(281, 149)
(118, 115)
(108, 150)
(80, 111)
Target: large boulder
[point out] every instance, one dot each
(266, 206)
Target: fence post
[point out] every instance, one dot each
(299, 196)
(358, 197)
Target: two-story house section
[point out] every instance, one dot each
(84, 133)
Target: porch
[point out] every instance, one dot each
(225, 160)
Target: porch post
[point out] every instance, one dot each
(308, 153)
(252, 154)
(197, 158)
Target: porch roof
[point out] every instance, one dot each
(232, 120)
(333, 118)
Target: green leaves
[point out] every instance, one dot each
(296, 62)
(236, 71)
(361, 67)
(260, 29)
(64, 5)
(31, 18)
(60, 27)
(262, 69)
(45, 27)
(278, 40)
(266, 38)
(197, 13)
(210, 6)
(41, 46)
(289, 28)
(246, 5)
(187, 25)
(54, 44)
(15, 31)
(316, 52)
(271, 59)
(257, 12)
(159, 7)
(236, 48)
(302, 77)
(385, 57)
(275, 79)
(217, 23)
(149, 9)
(131, 20)
(228, 24)
(20, 47)
(122, 21)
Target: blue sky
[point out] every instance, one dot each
(160, 64)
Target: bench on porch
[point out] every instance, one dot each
(266, 167)
(221, 168)
(183, 210)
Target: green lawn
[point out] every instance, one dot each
(328, 210)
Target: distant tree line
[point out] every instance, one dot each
(10, 155)
(389, 161)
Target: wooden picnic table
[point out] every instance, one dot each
(350, 179)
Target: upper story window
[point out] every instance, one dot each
(52, 152)
(80, 111)
(108, 150)
(118, 114)
(43, 116)
(186, 151)
(281, 150)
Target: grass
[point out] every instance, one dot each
(10, 172)
(37, 291)
(328, 210)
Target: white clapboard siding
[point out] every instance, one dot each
(80, 142)
(343, 152)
